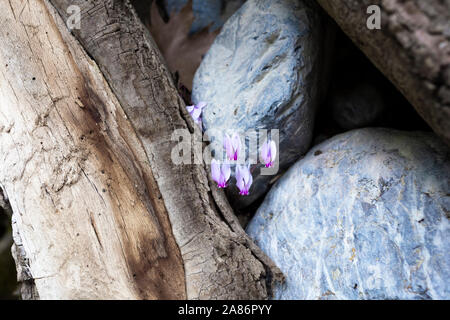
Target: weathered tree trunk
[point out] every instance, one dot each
(99, 209)
(412, 49)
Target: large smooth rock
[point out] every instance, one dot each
(263, 72)
(365, 215)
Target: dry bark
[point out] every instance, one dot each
(99, 209)
(412, 49)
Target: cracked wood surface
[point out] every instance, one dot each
(89, 159)
(412, 49)
(87, 221)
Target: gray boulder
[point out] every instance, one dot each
(365, 215)
(263, 72)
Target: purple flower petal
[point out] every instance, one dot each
(273, 150)
(226, 171)
(220, 173)
(201, 105)
(244, 179)
(236, 142)
(249, 183)
(264, 152)
(268, 153)
(232, 146)
(227, 144)
(196, 113)
(239, 179)
(190, 109)
(215, 170)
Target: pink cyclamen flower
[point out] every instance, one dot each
(232, 146)
(220, 173)
(196, 112)
(244, 179)
(268, 153)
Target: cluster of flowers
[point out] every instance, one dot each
(221, 172)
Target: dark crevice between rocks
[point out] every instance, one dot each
(9, 288)
(142, 8)
(350, 69)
